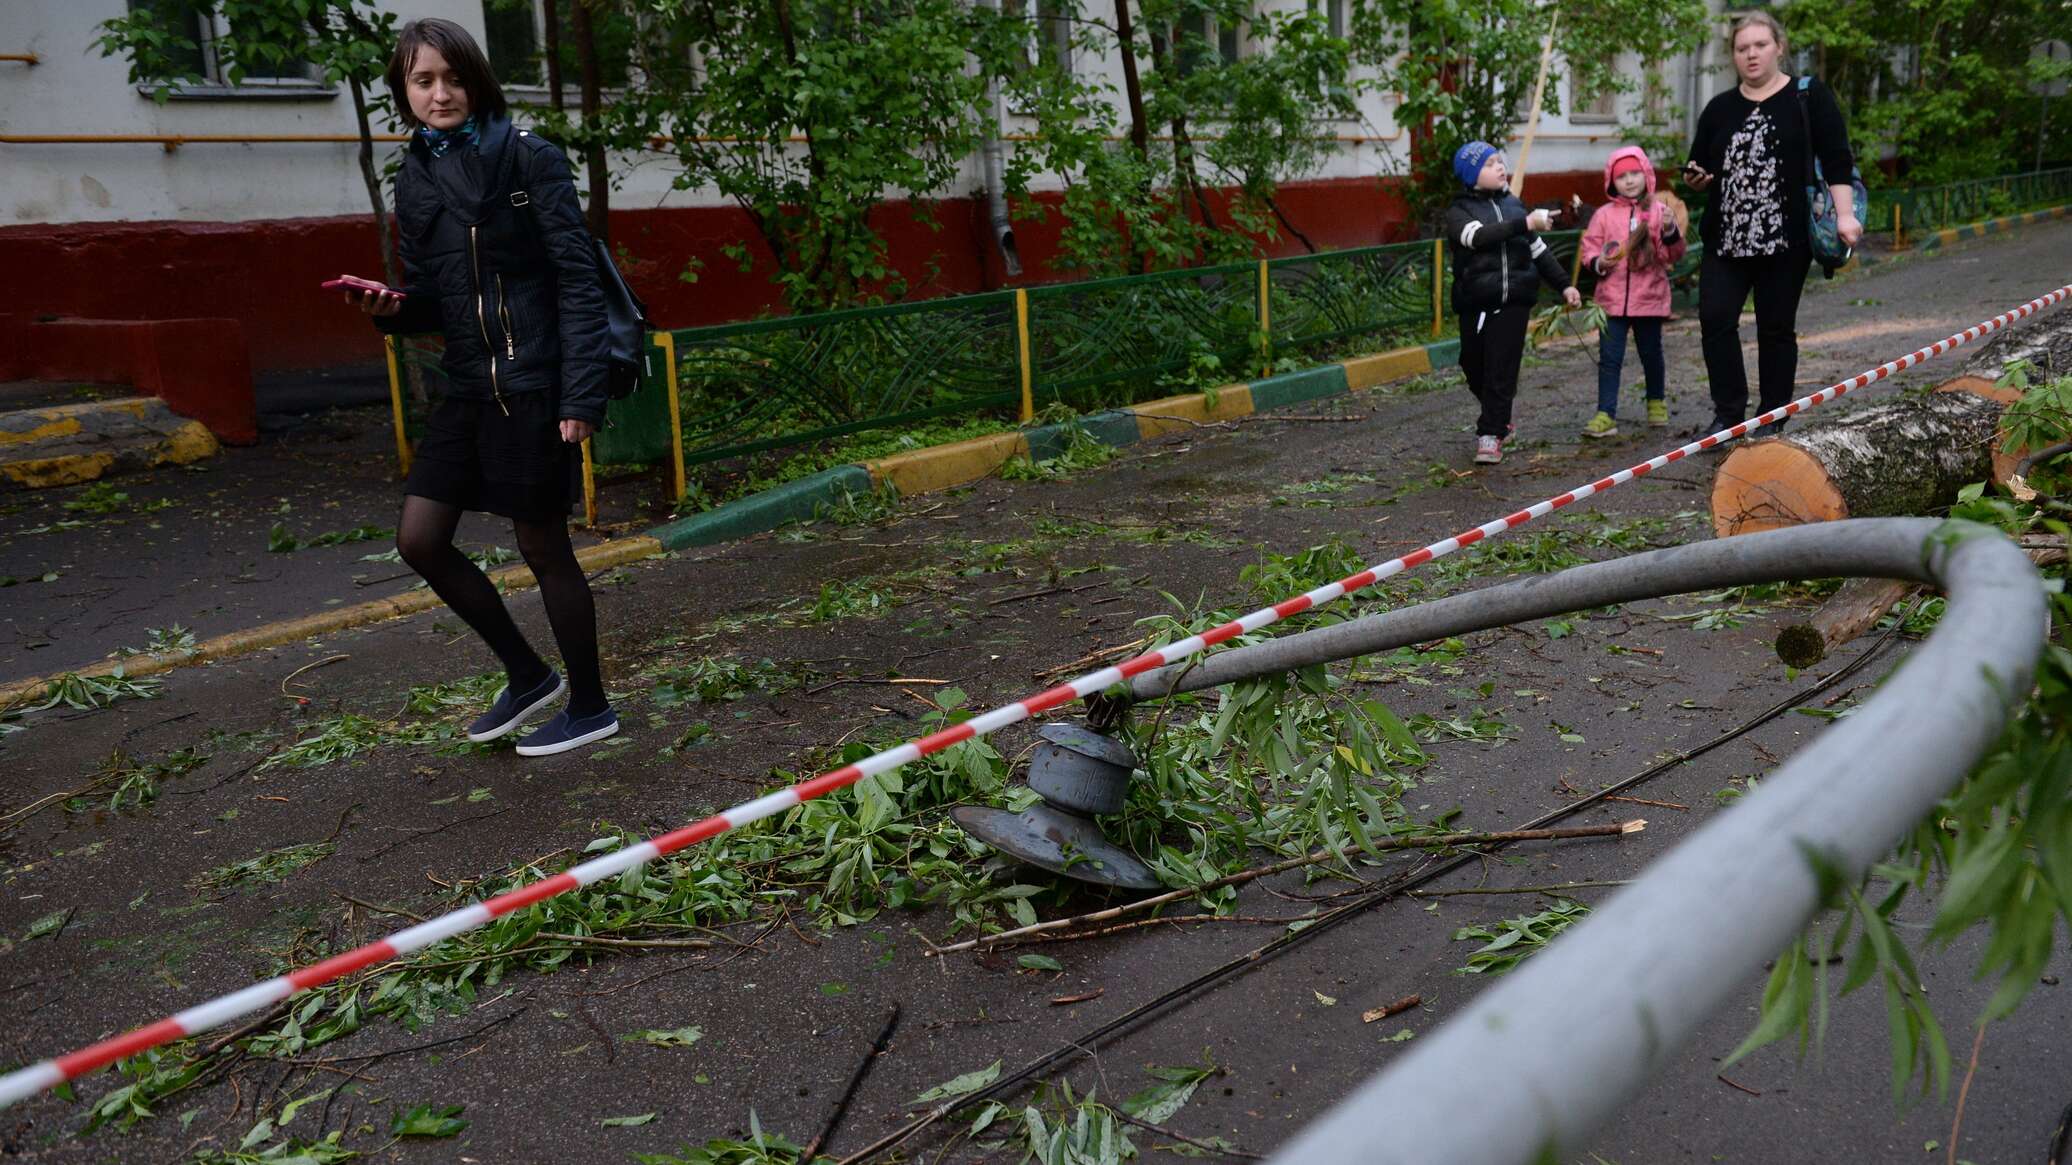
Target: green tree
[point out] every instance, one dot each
(1465, 71)
(343, 41)
(1242, 101)
(808, 114)
(1942, 86)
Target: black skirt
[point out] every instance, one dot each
(474, 456)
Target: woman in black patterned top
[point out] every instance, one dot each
(1753, 150)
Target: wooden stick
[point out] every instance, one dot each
(870, 1057)
(1433, 841)
(1532, 119)
(1386, 1010)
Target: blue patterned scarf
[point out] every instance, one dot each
(441, 140)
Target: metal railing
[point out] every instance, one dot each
(734, 390)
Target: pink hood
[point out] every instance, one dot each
(1647, 167)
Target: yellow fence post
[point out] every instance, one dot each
(666, 341)
(1438, 287)
(1899, 237)
(1021, 335)
(388, 347)
(1575, 269)
(1265, 319)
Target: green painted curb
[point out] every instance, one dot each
(1295, 387)
(1444, 354)
(773, 507)
(1112, 428)
(1978, 230)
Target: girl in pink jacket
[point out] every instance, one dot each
(1631, 244)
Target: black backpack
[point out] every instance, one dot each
(625, 318)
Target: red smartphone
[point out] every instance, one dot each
(355, 283)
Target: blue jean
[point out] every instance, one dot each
(1611, 359)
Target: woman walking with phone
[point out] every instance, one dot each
(500, 262)
(1754, 150)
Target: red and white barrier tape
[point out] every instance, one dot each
(26, 1082)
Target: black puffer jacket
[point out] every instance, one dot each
(1496, 261)
(499, 260)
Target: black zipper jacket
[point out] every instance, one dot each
(1496, 262)
(498, 259)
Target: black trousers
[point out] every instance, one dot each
(1723, 286)
(1491, 345)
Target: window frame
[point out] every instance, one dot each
(209, 30)
(538, 92)
(1602, 108)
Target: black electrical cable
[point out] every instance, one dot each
(1357, 905)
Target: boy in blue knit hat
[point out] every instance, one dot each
(1498, 262)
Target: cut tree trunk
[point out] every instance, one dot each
(1850, 612)
(1903, 457)
(2046, 343)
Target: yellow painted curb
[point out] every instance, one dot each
(942, 466)
(51, 427)
(71, 469)
(288, 631)
(190, 442)
(1159, 417)
(1368, 371)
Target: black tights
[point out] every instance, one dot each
(425, 538)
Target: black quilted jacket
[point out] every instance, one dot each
(498, 259)
(1496, 262)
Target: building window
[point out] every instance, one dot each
(200, 45)
(1201, 40)
(515, 39)
(1047, 38)
(1654, 95)
(1334, 15)
(1587, 106)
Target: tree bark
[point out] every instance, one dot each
(550, 11)
(1901, 457)
(1133, 97)
(593, 153)
(1850, 612)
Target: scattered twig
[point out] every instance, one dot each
(1433, 841)
(307, 667)
(1311, 417)
(1175, 920)
(863, 1068)
(1083, 997)
(1957, 1121)
(1741, 1087)
(424, 833)
(1656, 804)
(1043, 592)
(1386, 1010)
(867, 680)
(1555, 888)
(425, 1047)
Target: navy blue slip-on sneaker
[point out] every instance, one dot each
(565, 732)
(512, 709)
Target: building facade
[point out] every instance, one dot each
(237, 200)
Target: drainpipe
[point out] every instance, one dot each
(994, 155)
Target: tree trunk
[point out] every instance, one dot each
(2046, 343)
(1853, 610)
(391, 265)
(593, 153)
(550, 11)
(1900, 457)
(1133, 96)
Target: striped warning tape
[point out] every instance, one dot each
(28, 1081)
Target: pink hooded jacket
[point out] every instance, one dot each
(1624, 289)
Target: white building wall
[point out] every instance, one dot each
(74, 91)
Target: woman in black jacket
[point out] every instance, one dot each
(499, 261)
(1498, 262)
(1754, 148)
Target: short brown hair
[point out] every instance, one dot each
(485, 96)
(1757, 18)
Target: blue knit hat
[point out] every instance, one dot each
(1469, 160)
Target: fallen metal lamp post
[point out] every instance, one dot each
(1539, 1060)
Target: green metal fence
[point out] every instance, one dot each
(751, 387)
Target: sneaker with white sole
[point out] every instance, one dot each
(1489, 450)
(1601, 425)
(1658, 414)
(513, 709)
(565, 732)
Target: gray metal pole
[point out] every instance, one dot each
(1536, 1062)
